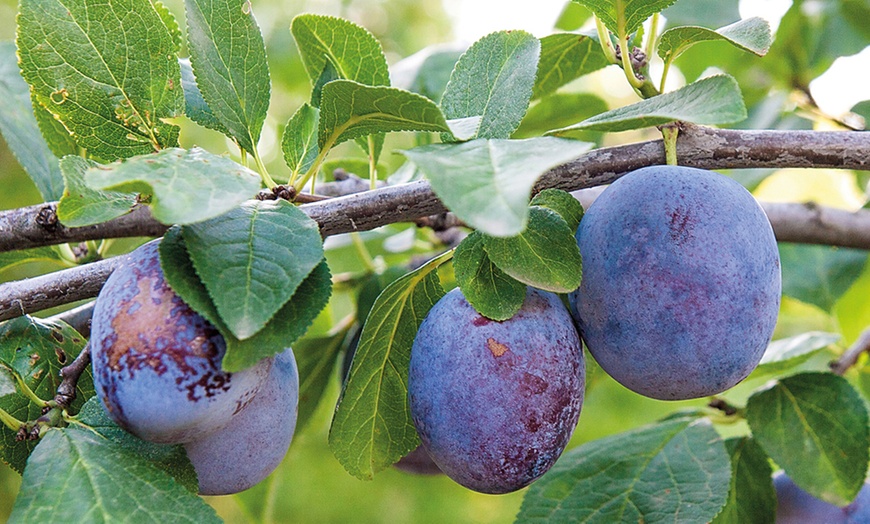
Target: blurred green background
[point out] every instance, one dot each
(310, 485)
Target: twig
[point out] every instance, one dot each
(79, 318)
(850, 357)
(66, 391)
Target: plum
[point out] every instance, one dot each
(681, 282)
(156, 362)
(252, 445)
(495, 403)
(796, 506)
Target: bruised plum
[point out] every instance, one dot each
(681, 282)
(156, 362)
(495, 403)
(252, 445)
(796, 506)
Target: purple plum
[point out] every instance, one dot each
(681, 282)
(252, 445)
(156, 362)
(495, 403)
(796, 506)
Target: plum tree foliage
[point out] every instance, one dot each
(673, 275)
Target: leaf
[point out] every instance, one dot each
(288, 324)
(353, 51)
(711, 100)
(35, 350)
(372, 426)
(328, 75)
(171, 459)
(814, 425)
(487, 182)
(624, 17)
(82, 206)
(194, 104)
(229, 59)
(673, 471)
(316, 359)
(112, 97)
(187, 186)
(56, 136)
(788, 352)
(10, 259)
(19, 128)
(429, 76)
(561, 110)
(711, 13)
(566, 57)
(487, 288)
(77, 476)
(545, 255)
(752, 498)
(563, 203)
(751, 34)
(300, 139)
(494, 80)
(252, 259)
(350, 110)
(819, 275)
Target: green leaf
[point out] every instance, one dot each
(494, 80)
(74, 475)
(545, 255)
(289, 323)
(673, 471)
(711, 100)
(429, 76)
(19, 128)
(186, 186)
(566, 57)
(751, 34)
(350, 110)
(58, 137)
(561, 110)
(752, 498)
(563, 203)
(229, 59)
(788, 352)
(353, 51)
(7, 382)
(112, 97)
(711, 13)
(83, 206)
(300, 139)
(819, 275)
(316, 359)
(487, 288)
(171, 459)
(35, 350)
(624, 17)
(252, 259)
(9, 259)
(487, 182)
(328, 75)
(814, 425)
(372, 426)
(194, 104)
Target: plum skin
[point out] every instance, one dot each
(156, 362)
(681, 282)
(252, 445)
(495, 403)
(796, 506)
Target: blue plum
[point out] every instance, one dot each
(495, 403)
(681, 282)
(796, 506)
(156, 362)
(251, 446)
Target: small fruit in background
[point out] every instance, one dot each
(156, 362)
(495, 403)
(681, 282)
(796, 506)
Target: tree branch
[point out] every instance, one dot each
(850, 357)
(697, 147)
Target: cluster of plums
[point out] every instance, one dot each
(679, 297)
(157, 372)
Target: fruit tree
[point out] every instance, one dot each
(309, 261)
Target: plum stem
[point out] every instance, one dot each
(66, 391)
(851, 356)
